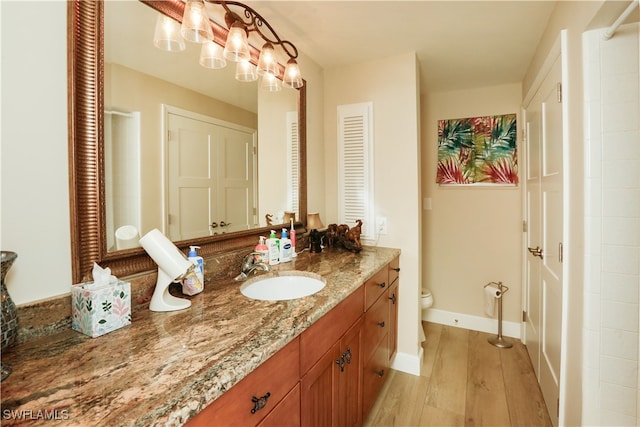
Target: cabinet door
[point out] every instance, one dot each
(319, 391)
(350, 378)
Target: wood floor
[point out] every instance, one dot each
(465, 382)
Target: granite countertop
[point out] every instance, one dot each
(166, 367)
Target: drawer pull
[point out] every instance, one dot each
(383, 284)
(380, 373)
(381, 324)
(393, 298)
(259, 403)
(347, 355)
(340, 362)
(396, 269)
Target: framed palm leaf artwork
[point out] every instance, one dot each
(478, 151)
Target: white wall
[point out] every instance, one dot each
(612, 255)
(392, 85)
(35, 180)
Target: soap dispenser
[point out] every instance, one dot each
(197, 261)
(263, 250)
(285, 246)
(273, 243)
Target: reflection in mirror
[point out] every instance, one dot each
(181, 141)
(104, 229)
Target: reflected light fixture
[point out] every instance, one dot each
(233, 35)
(271, 83)
(246, 72)
(211, 56)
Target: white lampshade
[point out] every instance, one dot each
(292, 77)
(267, 61)
(167, 35)
(211, 55)
(195, 22)
(237, 47)
(270, 83)
(246, 72)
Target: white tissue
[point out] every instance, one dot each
(101, 277)
(491, 293)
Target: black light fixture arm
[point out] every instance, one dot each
(255, 23)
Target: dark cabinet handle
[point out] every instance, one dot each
(397, 269)
(214, 225)
(224, 224)
(383, 284)
(259, 402)
(340, 362)
(393, 298)
(347, 355)
(381, 324)
(380, 373)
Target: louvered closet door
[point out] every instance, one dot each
(355, 166)
(293, 160)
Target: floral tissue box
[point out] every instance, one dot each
(98, 310)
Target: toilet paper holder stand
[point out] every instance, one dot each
(499, 340)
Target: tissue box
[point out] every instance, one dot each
(96, 311)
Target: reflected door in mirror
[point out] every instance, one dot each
(211, 184)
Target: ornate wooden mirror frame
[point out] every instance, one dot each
(86, 165)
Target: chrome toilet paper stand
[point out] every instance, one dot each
(498, 340)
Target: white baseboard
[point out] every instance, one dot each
(474, 323)
(408, 363)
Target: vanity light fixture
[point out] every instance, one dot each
(197, 27)
(167, 35)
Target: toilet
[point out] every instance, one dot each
(426, 301)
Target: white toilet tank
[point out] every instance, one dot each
(426, 299)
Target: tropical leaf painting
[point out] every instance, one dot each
(478, 150)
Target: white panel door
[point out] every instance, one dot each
(544, 198)
(235, 169)
(191, 178)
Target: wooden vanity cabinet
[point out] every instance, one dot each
(331, 388)
(380, 331)
(394, 298)
(275, 378)
(330, 375)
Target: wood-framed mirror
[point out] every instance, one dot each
(86, 153)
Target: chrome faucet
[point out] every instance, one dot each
(250, 265)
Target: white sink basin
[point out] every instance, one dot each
(282, 287)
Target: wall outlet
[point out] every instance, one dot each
(381, 224)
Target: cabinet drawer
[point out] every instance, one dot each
(375, 374)
(394, 269)
(376, 325)
(375, 286)
(320, 336)
(277, 376)
(287, 413)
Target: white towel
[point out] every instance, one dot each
(491, 293)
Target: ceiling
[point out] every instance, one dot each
(459, 44)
